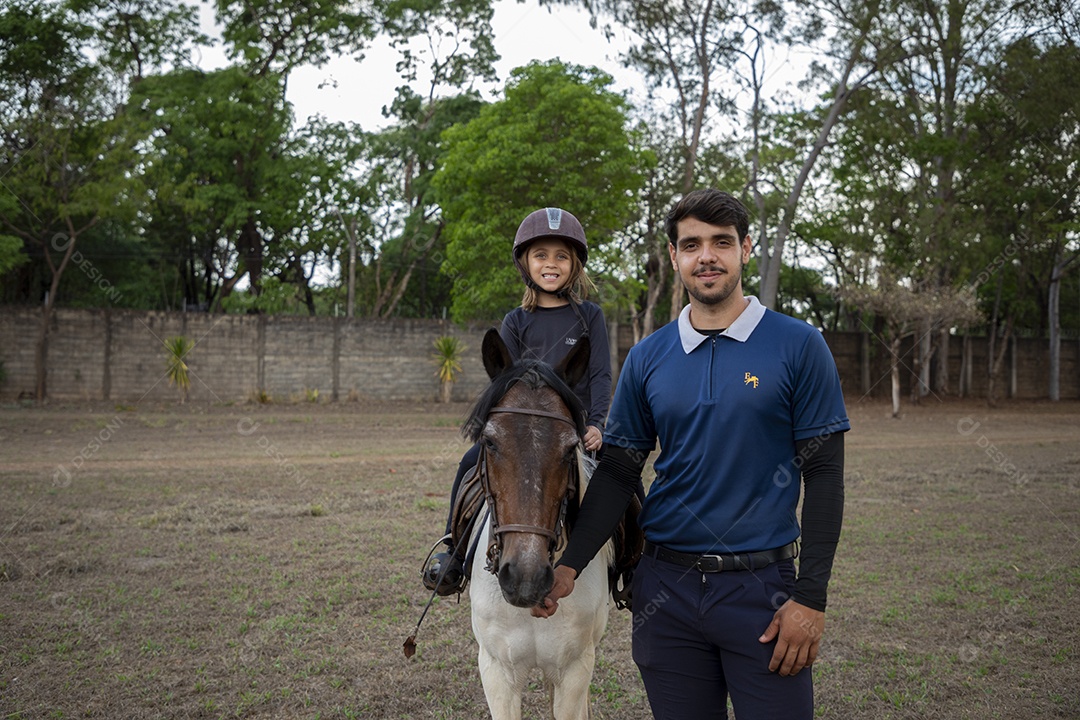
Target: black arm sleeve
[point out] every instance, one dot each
(613, 484)
(822, 515)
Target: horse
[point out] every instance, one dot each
(530, 423)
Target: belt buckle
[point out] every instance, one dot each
(710, 564)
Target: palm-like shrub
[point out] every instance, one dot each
(177, 349)
(447, 357)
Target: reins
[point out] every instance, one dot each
(494, 550)
(497, 531)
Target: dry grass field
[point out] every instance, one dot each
(261, 561)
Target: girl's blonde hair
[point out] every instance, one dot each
(578, 286)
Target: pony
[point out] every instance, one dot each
(529, 423)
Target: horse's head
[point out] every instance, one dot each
(529, 425)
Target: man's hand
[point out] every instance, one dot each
(593, 439)
(563, 586)
(797, 630)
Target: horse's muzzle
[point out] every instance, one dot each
(525, 584)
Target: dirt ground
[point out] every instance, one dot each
(261, 561)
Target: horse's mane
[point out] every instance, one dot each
(535, 375)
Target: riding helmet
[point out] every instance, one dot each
(553, 223)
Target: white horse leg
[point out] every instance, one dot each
(571, 696)
(501, 687)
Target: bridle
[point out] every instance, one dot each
(494, 550)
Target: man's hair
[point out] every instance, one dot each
(714, 207)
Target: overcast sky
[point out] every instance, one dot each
(344, 90)
(523, 32)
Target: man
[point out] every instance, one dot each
(745, 403)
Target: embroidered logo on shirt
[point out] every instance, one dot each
(571, 341)
(748, 378)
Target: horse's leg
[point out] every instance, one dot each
(501, 688)
(571, 696)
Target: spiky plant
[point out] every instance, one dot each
(177, 349)
(447, 357)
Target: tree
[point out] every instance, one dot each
(270, 38)
(557, 138)
(858, 53)
(1024, 150)
(68, 154)
(216, 145)
(403, 159)
(906, 311)
(715, 58)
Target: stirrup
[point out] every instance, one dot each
(439, 574)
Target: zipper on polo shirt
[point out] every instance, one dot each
(712, 374)
(711, 387)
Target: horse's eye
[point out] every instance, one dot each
(489, 444)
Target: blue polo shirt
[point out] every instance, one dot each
(727, 410)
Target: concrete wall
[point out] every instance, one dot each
(120, 355)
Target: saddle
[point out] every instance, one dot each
(470, 499)
(628, 539)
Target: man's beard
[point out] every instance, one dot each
(721, 289)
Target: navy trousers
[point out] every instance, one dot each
(695, 642)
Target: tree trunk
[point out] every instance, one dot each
(41, 352)
(926, 352)
(655, 275)
(41, 346)
(965, 367)
(678, 298)
(1054, 313)
(771, 258)
(1061, 263)
(941, 376)
(895, 350)
(996, 363)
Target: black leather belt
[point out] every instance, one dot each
(725, 562)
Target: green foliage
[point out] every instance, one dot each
(448, 353)
(402, 275)
(447, 357)
(274, 298)
(558, 138)
(11, 254)
(176, 370)
(266, 36)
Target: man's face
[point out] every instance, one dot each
(709, 259)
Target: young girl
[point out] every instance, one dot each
(550, 253)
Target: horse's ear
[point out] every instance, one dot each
(496, 356)
(576, 363)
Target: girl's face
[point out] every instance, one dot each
(550, 262)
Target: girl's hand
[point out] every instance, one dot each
(593, 439)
